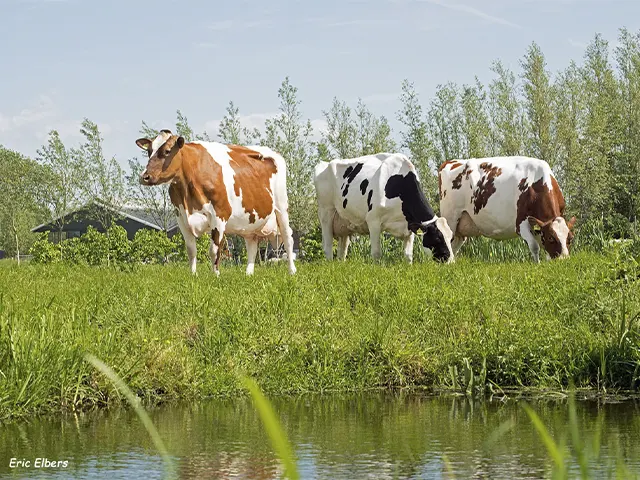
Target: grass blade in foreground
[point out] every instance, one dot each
(144, 417)
(552, 447)
(278, 438)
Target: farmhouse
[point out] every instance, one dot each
(131, 218)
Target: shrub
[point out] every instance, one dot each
(96, 245)
(119, 244)
(44, 251)
(152, 246)
(74, 251)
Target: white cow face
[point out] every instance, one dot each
(162, 152)
(556, 235)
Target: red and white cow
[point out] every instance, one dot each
(505, 197)
(372, 194)
(221, 188)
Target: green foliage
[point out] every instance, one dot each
(119, 244)
(390, 325)
(44, 251)
(311, 245)
(291, 137)
(152, 246)
(22, 186)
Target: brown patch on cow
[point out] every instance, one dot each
(522, 186)
(484, 189)
(457, 182)
(485, 186)
(454, 164)
(199, 182)
(215, 236)
(252, 178)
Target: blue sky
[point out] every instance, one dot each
(119, 63)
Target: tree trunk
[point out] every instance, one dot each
(15, 234)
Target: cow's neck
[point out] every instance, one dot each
(186, 191)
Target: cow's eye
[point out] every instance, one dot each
(552, 240)
(167, 152)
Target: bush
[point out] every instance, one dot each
(44, 251)
(311, 246)
(152, 246)
(119, 245)
(74, 251)
(96, 245)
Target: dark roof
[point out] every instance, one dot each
(136, 214)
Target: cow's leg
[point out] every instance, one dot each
(326, 224)
(407, 246)
(214, 249)
(343, 247)
(374, 237)
(252, 250)
(457, 243)
(192, 250)
(282, 217)
(530, 238)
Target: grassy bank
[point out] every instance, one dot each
(472, 325)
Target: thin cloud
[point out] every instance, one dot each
(206, 45)
(577, 44)
(382, 97)
(44, 109)
(346, 23)
(459, 7)
(222, 25)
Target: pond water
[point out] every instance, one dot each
(372, 435)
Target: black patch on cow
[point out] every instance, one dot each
(433, 239)
(415, 206)
(369, 205)
(344, 203)
(350, 174)
(364, 185)
(416, 210)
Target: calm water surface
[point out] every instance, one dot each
(334, 436)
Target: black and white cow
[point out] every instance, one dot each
(372, 194)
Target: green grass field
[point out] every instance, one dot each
(473, 326)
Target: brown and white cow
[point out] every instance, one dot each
(221, 188)
(505, 197)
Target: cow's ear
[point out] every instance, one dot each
(536, 224)
(571, 223)
(180, 142)
(144, 144)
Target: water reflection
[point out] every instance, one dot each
(334, 436)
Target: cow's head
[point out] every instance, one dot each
(162, 151)
(556, 235)
(437, 238)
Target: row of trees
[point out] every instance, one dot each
(583, 120)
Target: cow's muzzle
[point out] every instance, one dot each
(145, 178)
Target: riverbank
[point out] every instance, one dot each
(333, 327)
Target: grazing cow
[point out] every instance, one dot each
(505, 197)
(221, 189)
(372, 194)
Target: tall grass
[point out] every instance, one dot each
(471, 326)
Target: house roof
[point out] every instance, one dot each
(131, 212)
